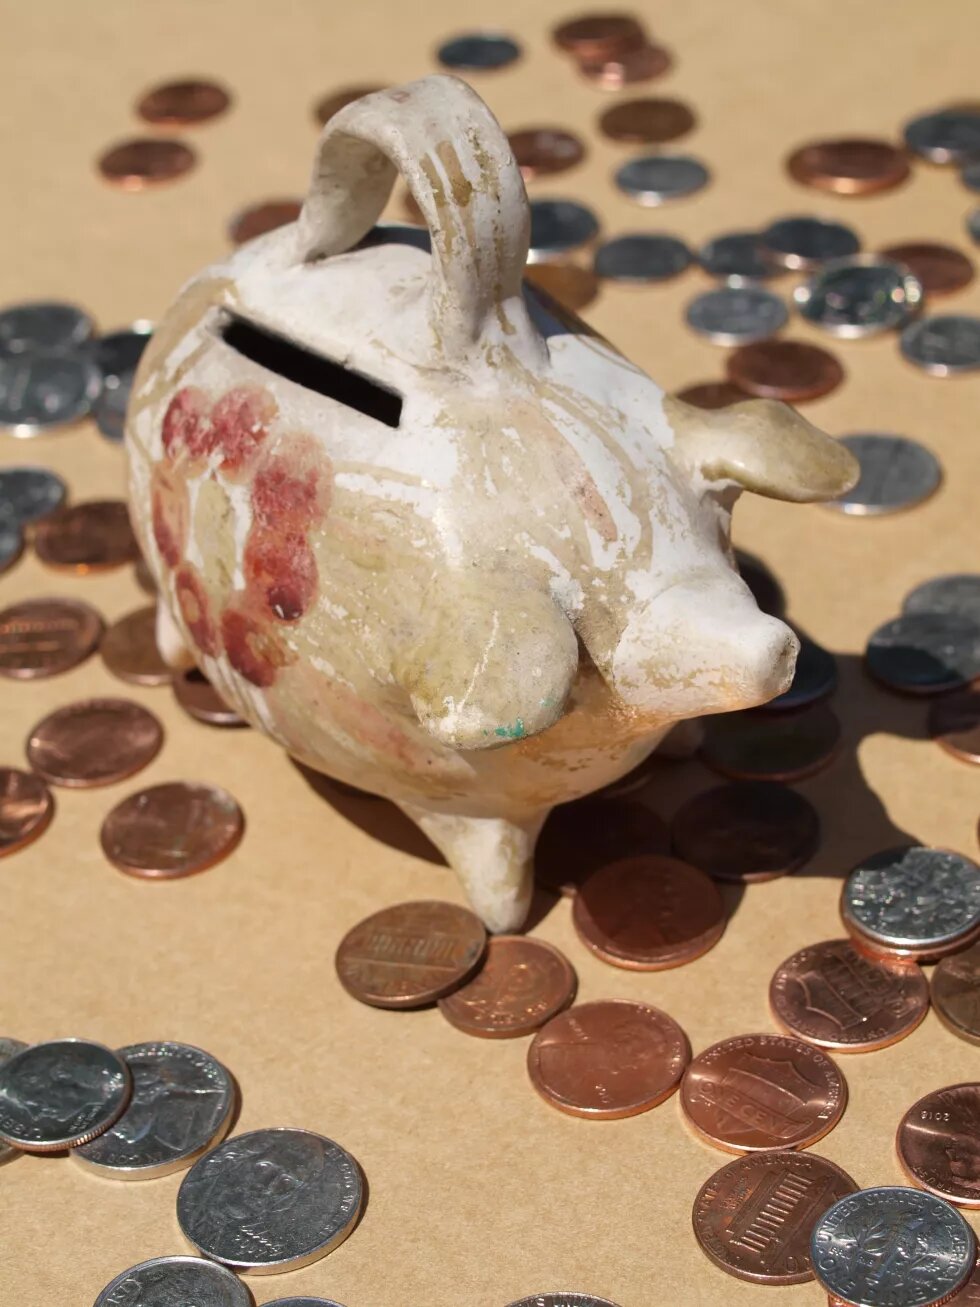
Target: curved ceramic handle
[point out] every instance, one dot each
(459, 166)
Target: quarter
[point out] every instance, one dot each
(61, 1094)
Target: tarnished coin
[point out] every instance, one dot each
(849, 166)
(558, 227)
(598, 35)
(579, 838)
(563, 1298)
(26, 808)
(61, 1094)
(94, 742)
(543, 151)
(784, 369)
(175, 1282)
(44, 637)
(943, 345)
(859, 296)
(271, 1200)
(181, 1105)
(948, 136)
(11, 544)
(755, 1216)
(938, 1143)
(647, 121)
(913, 901)
(957, 593)
(815, 678)
(145, 161)
(756, 1092)
(747, 831)
(627, 68)
(656, 178)
(712, 394)
(172, 830)
(863, 1248)
(183, 104)
(46, 389)
(736, 315)
(334, 101)
(478, 52)
(925, 653)
(954, 723)
(771, 746)
(8, 1047)
(29, 493)
(569, 285)
(410, 954)
(737, 258)
(609, 1059)
(87, 537)
(832, 996)
(807, 242)
(260, 218)
(642, 257)
(118, 352)
(956, 993)
(45, 325)
(940, 269)
(200, 700)
(896, 473)
(129, 649)
(522, 984)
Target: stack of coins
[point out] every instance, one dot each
(611, 50)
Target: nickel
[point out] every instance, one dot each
(558, 227)
(43, 325)
(943, 345)
(896, 473)
(45, 389)
(804, 243)
(656, 178)
(478, 52)
(175, 1282)
(29, 493)
(925, 653)
(948, 136)
(736, 315)
(642, 258)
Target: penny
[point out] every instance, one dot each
(949, 136)
(609, 1059)
(558, 227)
(863, 1248)
(26, 808)
(8, 1047)
(924, 653)
(145, 161)
(183, 104)
(543, 151)
(46, 389)
(859, 296)
(736, 315)
(61, 1094)
(647, 121)
(11, 544)
(522, 984)
(118, 352)
(332, 103)
(569, 285)
(895, 474)
(784, 369)
(599, 36)
(712, 394)
(954, 723)
(969, 1294)
(181, 1105)
(87, 537)
(956, 993)
(478, 52)
(755, 1216)
(940, 269)
(832, 996)
(737, 258)
(271, 1200)
(849, 166)
(410, 954)
(174, 1281)
(45, 325)
(771, 746)
(803, 243)
(29, 493)
(944, 345)
(172, 830)
(563, 1298)
(627, 68)
(44, 637)
(258, 219)
(642, 258)
(747, 831)
(938, 1143)
(656, 178)
(94, 742)
(957, 593)
(756, 1092)
(814, 678)
(200, 700)
(129, 649)
(648, 913)
(579, 838)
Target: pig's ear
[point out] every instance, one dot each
(494, 661)
(764, 446)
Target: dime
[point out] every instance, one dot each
(655, 178)
(29, 493)
(815, 678)
(784, 369)
(599, 36)
(851, 166)
(26, 808)
(808, 242)
(609, 1059)
(627, 68)
(11, 544)
(183, 104)
(736, 315)
(87, 537)
(522, 984)
(172, 830)
(754, 1217)
(647, 121)
(579, 838)
(925, 653)
(174, 1281)
(949, 136)
(543, 151)
(258, 219)
(181, 1105)
(117, 353)
(938, 1143)
(641, 258)
(896, 473)
(271, 1200)
(94, 742)
(145, 161)
(940, 269)
(943, 345)
(569, 285)
(865, 1247)
(558, 227)
(747, 831)
(712, 394)
(410, 954)
(45, 389)
(44, 637)
(563, 1298)
(958, 593)
(859, 296)
(478, 52)
(737, 258)
(332, 103)
(956, 993)
(45, 325)
(200, 700)
(771, 746)
(832, 996)
(129, 649)
(954, 723)
(8, 1047)
(61, 1094)
(649, 913)
(756, 1092)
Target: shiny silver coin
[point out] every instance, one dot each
(808, 242)
(562, 1299)
(43, 325)
(478, 51)
(973, 225)
(944, 344)
(60, 1094)
(859, 296)
(117, 353)
(738, 258)
(656, 178)
(949, 136)
(913, 898)
(269, 1201)
(642, 258)
(925, 653)
(8, 1047)
(175, 1282)
(39, 391)
(303, 1302)
(558, 227)
(892, 1247)
(970, 176)
(814, 679)
(736, 315)
(896, 473)
(181, 1105)
(958, 594)
(111, 408)
(11, 544)
(29, 493)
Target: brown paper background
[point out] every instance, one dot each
(479, 1192)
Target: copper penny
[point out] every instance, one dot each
(328, 105)
(44, 637)
(172, 830)
(567, 284)
(200, 700)
(763, 746)
(26, 807)
(608, 1059)
(543, 151)
(134, 165)
(754, 1092)
(88, 537)
(647, 121)
(954, 722)
(956, 993)
(599, 36)
(938, 1143)
(784, 369)
(831, 995)
(851, 166)
(410, 954)
(649, 913)
(640, 65)
(183, 104)
(258, 219)
(94, 742)
(129, 649)
(712, 394)
(940, 268)
(747, 831)
(754, 1217)
(522, 984)
(579, 838)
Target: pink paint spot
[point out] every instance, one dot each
(195, 607)
(253, 648)
(187, 430)
(280, 572)
(288, 486)
(170, 513)
(241, 419)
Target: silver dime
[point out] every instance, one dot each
(896, 473)
(959, 594)
(272, 1200)
(913, 898)
(736, 315)
(970, 176)
(892, 1247)
(807, 242)
(111, 407)
(859, 296)
(61, 1094)
(562, 1299)
(559, 226)
(925, 653)
(949, 136)
(11, 543)
(642, 257)
(656, 178)
(737, 257)
(815, 678)
(478, 51)
(175, 1282)
(43, 390)
(29, 493)
(973, 225)
(181, 1105)
(8, 1047)
(43, 325)
(117, 353)
(944, 344)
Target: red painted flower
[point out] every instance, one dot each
(253, 647)
(195, 607)
(187, 430)
(241, 419)
(170, 513)
(288, 486)
(280, 572)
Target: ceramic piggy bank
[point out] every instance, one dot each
(427, 531)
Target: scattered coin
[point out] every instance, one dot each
(859, 296)
(949, 136)
(804, 243)
(45, 325)
(478, 52)
(938, 1144)
(118, 352)
(851, 166)
(129, 649)
(87, 537)
(747, 831)
(959, 593)
(755, 1216)
(647, 121)
(172, 830)
(896, 474)
(641, 258)
(608, 1059)
(200, 700)
(940, 269)
(737, 258)
(712, 394)
(94, 742)
(599, 36)
(61, 1094)
(656, 178)
(784, 369)
(627, 68)
(954, 723)
(543, 151)
(973, 225)
(756, 1092)
(564, 1298)
(111, 408)
(11, 544)
(771, 746)
(171, 1281)
(558, 227)
(569, 285)
(970, 175)
(814, 679)
(332, 103)
(44, 637)
(258, 219)
(956, 993)
(145, 161)
(943, 345)
(736, 315)
(26, 808)
(925, 653)
(832, 996)
(183, 104)
(8, 1047)
(29, 493)
(579, 838)
(522, 984)
(46, 389)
